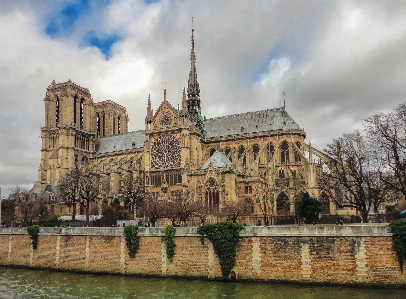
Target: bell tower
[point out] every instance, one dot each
(68, 136)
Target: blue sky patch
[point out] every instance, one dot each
(63, 21)
(151, 1)
(104, 44)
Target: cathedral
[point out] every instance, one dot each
(259, 157)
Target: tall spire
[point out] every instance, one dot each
(193, 84)
(193, 90)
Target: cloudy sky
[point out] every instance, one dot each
(337, 62)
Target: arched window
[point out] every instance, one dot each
(297, 154)
(241, 155)
(281, 174)
(85, 161)
(212, 151)
(75, 102)
(104, 125)
(284, 153)
(249, 205)
(325, 203)
(270, 151)
(282, 204)
(255, 153)
(97, 124)
(118, 125)
(82, 112)
(227, 152)
(57, 112)
(114, 125)
(212, 196)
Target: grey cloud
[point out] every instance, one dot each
(330, 83)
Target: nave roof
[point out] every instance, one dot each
(250, 122)
(120, 142)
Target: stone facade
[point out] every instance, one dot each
(352, 255)
(258, 157)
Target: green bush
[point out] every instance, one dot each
(132, 239)
(398, 229)
(33, 231)
(224, 237)
(169, 242)
(308, 208)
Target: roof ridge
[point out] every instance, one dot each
(246, 113)
(121, 134)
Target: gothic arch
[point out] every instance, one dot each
(82, 113)
(228, 153)
(270, 151)
(212, 195)
(296, 152)
(241, 155)
(57, 110)
(249, 205)
(75, 100)
(284, 153)
(282, 204)
(255, 152)
(325, 203)
(97, 124)
(85, 161)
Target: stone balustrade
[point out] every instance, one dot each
(352, 230)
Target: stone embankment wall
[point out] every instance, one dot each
(354, 254)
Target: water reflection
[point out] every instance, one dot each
(23, 283)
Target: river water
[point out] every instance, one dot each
(32, 284)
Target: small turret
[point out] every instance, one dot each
(150, 113)
(184, 110)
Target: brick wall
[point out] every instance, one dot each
(339, 255)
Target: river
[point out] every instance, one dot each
(33, 284)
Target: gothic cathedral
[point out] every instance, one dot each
(259, 157)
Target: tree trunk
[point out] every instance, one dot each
(74, 212)
(364, 216)
(87, 211)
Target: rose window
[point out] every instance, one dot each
(165, 152)
(166, 119)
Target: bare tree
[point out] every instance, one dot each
(387, 132)
(23, 206)
(352, 179)
(133, 192)
(153, 208)
(89, 187)
(41, 210)
(8, 211)
(232, 210)
(69, 188)
(9, 206)
(186, 206)
(80, 185)
(202, 210)
(264, 202)
(171, 212)
(26, 209)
